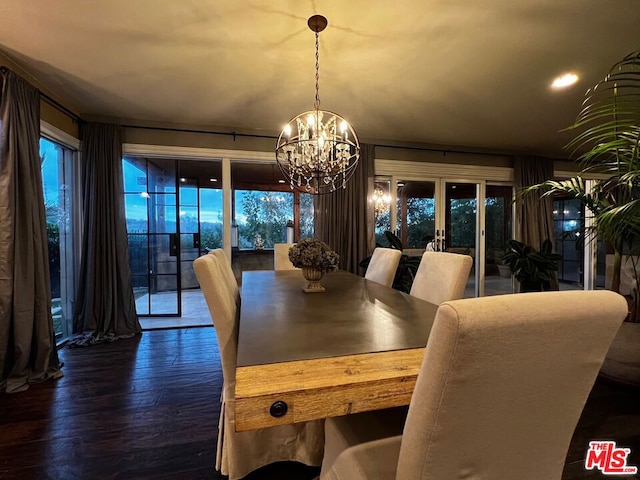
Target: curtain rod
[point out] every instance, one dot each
(193, 130)
(49, 100)
(61, 107)
(444, 151)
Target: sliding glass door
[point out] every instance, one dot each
(459, 216)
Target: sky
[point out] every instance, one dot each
(49, 171)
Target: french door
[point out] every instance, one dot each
(152, 222)
(451, 215)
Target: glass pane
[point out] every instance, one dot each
(307, 227)
(141, 293)
(162, 175)
(188, 219)
(568, 228)
(162, 254)
(134, 171)
(382, 210)
(210, 218)
(498, 231)
(416, 213)
(460, 224)
(138, 254)
(56, 170)
(136, 211)
(262, 214)
(162, 213)
(189, 251)
(188, 193)
(601, 264)
(164, 295)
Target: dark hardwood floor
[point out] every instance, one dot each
(147, 407)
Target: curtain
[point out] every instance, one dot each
(534, 215)
(28, 351)
(105, 306)
(344, 218)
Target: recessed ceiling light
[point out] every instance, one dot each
(183, 179)
(564, 81)
(280, 181)
(213, 179)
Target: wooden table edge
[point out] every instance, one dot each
(324, 387)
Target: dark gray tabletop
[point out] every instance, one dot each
(280, 323)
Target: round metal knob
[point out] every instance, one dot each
(279, 409)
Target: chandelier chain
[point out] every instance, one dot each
(317, 103)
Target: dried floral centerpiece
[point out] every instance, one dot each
(315, 258)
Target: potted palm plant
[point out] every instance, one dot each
(608, 143)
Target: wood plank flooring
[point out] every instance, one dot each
(147, 407)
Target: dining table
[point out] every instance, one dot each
(355, 347)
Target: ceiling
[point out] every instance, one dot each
(438, 72)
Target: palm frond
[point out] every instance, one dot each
(621, 222)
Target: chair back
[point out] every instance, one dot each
(503, 383)
(223, 307)
(227, 272)
(383, 265)
(281, 257)
(441, 277)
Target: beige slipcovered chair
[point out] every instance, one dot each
(239, 453)
(383, 265)
(281, 257)
(227, 273)
(501, 388)
(441, 277)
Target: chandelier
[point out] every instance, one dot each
(317, 151)
(381, 201)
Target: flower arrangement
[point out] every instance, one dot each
(315, 254)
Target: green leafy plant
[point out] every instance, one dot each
(534, 270)
(407, 267)
(607, 143)
(313, 253)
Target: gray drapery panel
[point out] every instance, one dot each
(344, 218)
(105, 306)
(27, 340)
(534, 215)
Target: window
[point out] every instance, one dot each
(307, 227)
(263, 213)
(56, 162)
(416, 213)
(382, 210)
(568, 232)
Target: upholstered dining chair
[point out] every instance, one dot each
(227, 272)
(441, 277)
(281, 257)
(383, 265)
(502, 385)
(239, 453)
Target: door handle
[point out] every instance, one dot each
(173, 245)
